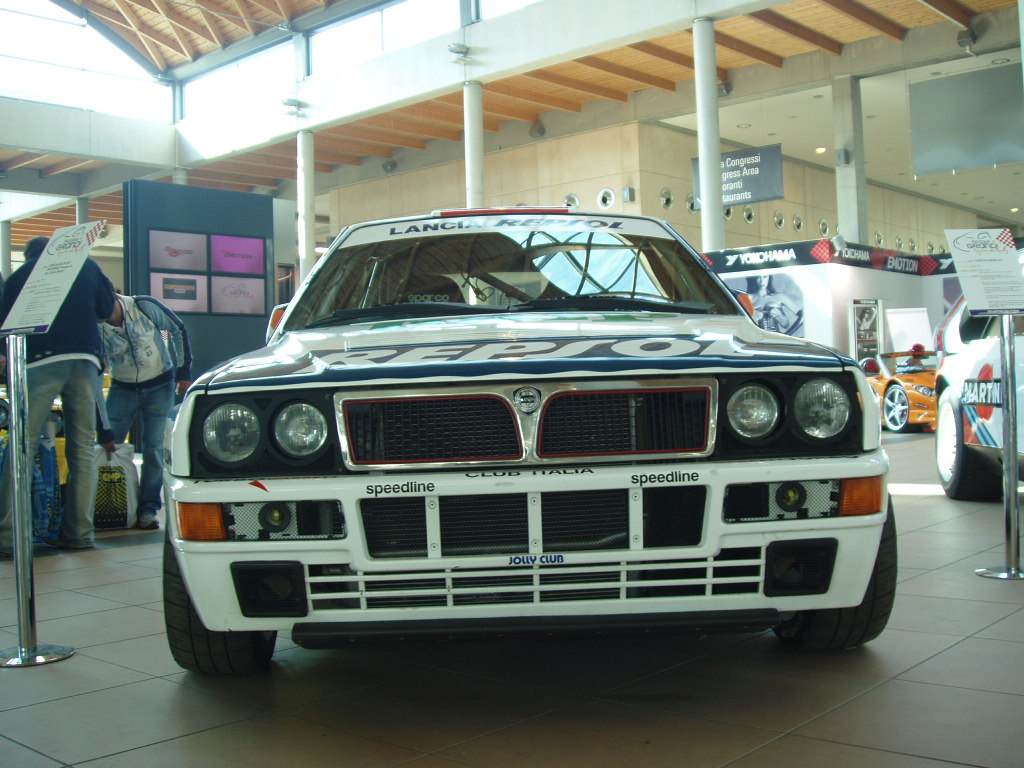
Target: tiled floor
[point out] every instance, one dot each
(943, 685)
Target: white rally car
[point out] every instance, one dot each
(522, 420)
(969, 419)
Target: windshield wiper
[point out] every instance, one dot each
(405, 310)
(612, 302)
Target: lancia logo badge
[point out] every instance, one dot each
(527, 399)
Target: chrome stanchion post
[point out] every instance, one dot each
(1011, 499)
(28, 652)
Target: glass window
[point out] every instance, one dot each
(251, 84)
(491, 8)
(50, 55)
(343, 45)
(416, 20)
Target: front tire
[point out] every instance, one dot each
(198, 649)
(833, 629)
(896, 409)
(963, 474)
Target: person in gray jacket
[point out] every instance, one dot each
(150, 361)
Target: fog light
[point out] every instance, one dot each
(790, 496)
(275, 517)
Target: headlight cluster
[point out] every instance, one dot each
(232, 432)
(921, 389)
(820, 409)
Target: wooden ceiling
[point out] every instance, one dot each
(169, 35)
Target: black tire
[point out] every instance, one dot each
(198, 649)
(896, 409)
(833, 629)
(963, 474)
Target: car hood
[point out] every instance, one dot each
(535, 344)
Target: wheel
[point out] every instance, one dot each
(896, 409)
(199, 649)
(837, 628)
(963, 474)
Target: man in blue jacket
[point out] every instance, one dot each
(64, 362)
(150, 360)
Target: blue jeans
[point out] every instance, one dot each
(155, 405)
(74, 381)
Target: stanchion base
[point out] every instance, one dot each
(30, 657)
(1000, 573)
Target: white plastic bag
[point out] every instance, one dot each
(117, 487)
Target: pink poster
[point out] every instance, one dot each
(241, 255)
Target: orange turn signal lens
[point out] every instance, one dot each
(201, 522)
(860, 496)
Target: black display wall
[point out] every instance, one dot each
(206, 254)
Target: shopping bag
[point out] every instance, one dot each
(117, 487)
(47, 503)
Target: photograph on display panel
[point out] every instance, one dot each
(186, 251)
(237, 295)
(238, 255)
(180, 292)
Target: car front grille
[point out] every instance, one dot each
(573, 422)
(732, 571)
(500, 524)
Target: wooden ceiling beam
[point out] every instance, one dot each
(350, 147)
(146, 45)
(20, 161)
(746, 49)
(411, 126)
(799, 31)
(675, 57)
(237, 172)
(868, 17)
(495, 108)
(376, 136)
(627, 73)
(575, 84)
(950, 9)
(68, 164)
(533, 97)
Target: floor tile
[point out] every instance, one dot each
(797, 752)
(17, 756)
(136, 591)
(263, 742)
(73, 676)
(433, 709)
(610, 735)
(101, 627)
(55, 605)
(945, 615)
(934, 721)
(92, 725)
(983, 665)
(1010, 628)
(964, 584)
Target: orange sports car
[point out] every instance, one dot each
(905, 384)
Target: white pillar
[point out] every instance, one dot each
(305, 180)
(709, 144)
(851, 177)
(5, 247)
(81, 210)
(179, 176)
(473, 136)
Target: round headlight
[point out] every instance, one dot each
(753, 411)
(231, 432)
(822, 408)
(300, 429)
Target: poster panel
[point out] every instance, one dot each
(180, 292)
(239, 255)
(177, 250)
(238, 295)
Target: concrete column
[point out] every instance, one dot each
(305, 208)
(81, 210)
(5, 247)
(851, 179)
(179, 176)
(473, 136)
(709, 144)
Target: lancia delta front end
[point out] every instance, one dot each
(522, 421)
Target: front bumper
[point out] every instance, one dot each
(740, 568)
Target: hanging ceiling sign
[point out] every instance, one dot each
(748, 176)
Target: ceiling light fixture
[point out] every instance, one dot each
(820, 150)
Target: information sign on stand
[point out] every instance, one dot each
(34, 311)
(992, 280)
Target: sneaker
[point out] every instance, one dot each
(148, 525)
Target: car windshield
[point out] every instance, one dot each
(910, 362)
(492, 264)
